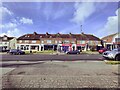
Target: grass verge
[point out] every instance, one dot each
(41, 52)
(89, 52)
(112, 62)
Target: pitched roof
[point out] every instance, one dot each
(109, 38)
(36, 36)
(8, 38)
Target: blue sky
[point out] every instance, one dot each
(97, 18)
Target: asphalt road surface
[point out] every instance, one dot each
(40, 57)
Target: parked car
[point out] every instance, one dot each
(16, 52)
(114, 54)
(102, 50)
(73, 52)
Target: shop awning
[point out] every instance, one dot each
(67, 45)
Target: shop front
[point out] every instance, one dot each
(80, 46)
(66, 47)
(50, 47)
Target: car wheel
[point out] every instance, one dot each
(117, 58)
(68, 53)
(19, 53)
(13, 53)
(78, 53)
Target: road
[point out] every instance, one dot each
(63, 74)
(40, 57)
(65, 71)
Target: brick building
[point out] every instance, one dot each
(112, 41)
(61, 42)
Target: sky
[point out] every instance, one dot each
(97, 18)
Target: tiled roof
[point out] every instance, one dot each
(109, 38)
(8, 38)
(36, 36)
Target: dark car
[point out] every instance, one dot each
(16, 52)
(73, 52)
(102, 50)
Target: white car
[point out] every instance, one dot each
(114, 54)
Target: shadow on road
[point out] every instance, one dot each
(20, 64)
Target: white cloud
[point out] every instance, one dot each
(4, 10)
(26, 20)
(83, 11)
(111, 26)
(13, 32)
(8, 25)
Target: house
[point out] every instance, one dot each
(112, 41)
(61, 42)
(7, 43)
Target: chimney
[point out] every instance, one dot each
(35, 33)
(82, 32)
(70, 33)
(47, 33)
(58, 33)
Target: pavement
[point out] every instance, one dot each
(63, 74)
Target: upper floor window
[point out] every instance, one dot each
(66, 41)
(26, 41)
(5, 38)
(90, 42)
(73, 42)
(60, 41)
(42, 41)
(82, 42)
(48, 41)
(96, 42)
(20, 41)
(33, 41)
(56, 41)
(117, 39)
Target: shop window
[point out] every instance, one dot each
(27, 47)
(22, 47)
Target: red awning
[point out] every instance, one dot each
(67, 45)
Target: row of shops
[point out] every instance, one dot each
(59, 47)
